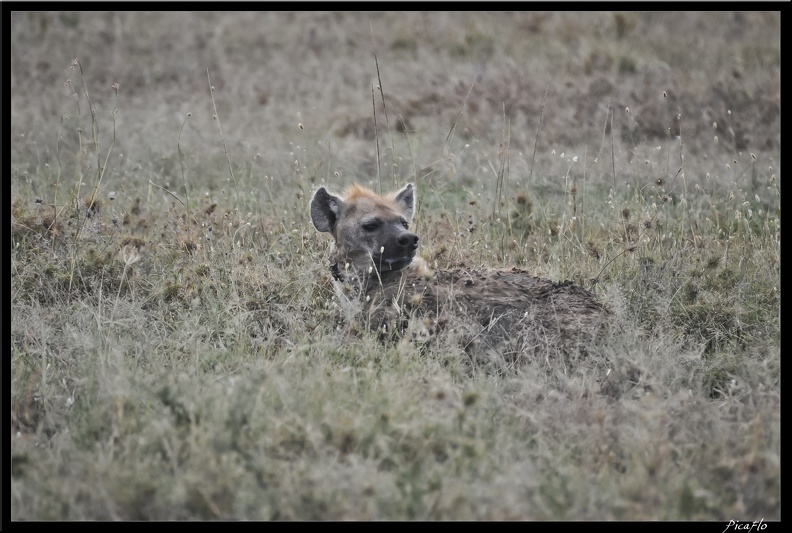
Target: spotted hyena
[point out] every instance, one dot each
(490, 313)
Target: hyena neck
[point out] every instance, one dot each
(417, 267)
(336, 272)
(351, 274)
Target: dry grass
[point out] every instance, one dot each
(176, 348)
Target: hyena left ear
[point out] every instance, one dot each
(405, 199)
(325, 209)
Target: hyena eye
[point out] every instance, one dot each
(371, 226)
(405, 224)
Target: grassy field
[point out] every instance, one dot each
(177, 352)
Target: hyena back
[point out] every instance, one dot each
(505, 314)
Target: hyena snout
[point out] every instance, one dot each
(399, 249)
(408, 241)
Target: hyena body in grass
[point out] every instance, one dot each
(499, 317)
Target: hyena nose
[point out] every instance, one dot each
(408, 240)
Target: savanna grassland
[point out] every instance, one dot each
(176, 348)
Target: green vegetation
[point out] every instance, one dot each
(177, 349)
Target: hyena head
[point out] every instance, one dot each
(370, 230)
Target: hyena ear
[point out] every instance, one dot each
(405, 200)
(325, 209)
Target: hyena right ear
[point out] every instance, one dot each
(325, 209)
(405, 199)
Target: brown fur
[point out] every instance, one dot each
(493, 314)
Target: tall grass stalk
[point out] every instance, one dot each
(181, 168)
(216, 117)
(100, 170)
(376, 140)
(536, 137)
